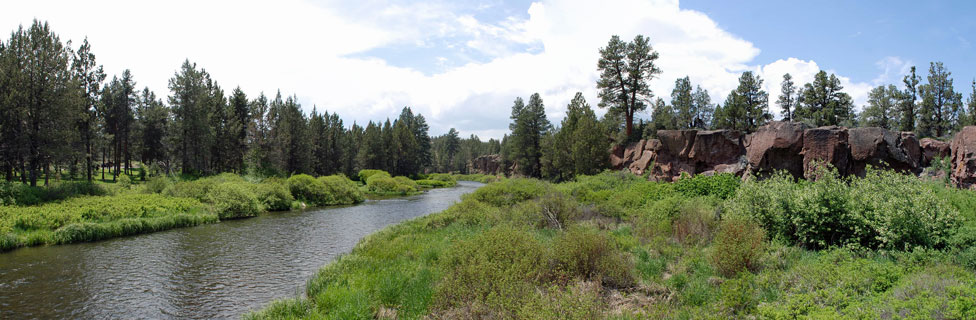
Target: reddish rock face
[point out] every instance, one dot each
(776, 146)
(881, 148)
(487, 164)
(963, 156)
(827, 144)
(931, 149)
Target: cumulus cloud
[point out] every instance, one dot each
(337, 55)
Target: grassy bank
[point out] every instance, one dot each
(80, 212)
(614, 246)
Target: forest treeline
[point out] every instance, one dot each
(59, 112)
(60, 115)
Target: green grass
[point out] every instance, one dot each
(96, 218)
(613, 246)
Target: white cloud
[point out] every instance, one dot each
(315, 50)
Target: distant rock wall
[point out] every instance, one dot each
(794, 148)
(486, 164)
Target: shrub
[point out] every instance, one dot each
(342, 190)
(447, 179)
(723, 185)
(586, 253)
(234, 200)
(510, 192)
(197, 189)
(157, 184)
(883, 210)
(498, 268)
(739, 295)
(433, 183)
(382, 183)
(124, 181)
(274, 195)
(366, 173)
(305, 188)
(694, 223)
(737, 247)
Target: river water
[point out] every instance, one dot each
(220, 270)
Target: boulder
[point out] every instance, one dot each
(880, 148)
(826, 144)
(716, 147)
(776, 146)
(932, 149)
(963, 157)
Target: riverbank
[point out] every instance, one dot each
(79, 212)
(616, 246)
(212, 271)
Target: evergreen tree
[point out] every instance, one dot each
(970, 118)
(683, 104)
(239, 116)
(625, 71)
(824, 104)
(788, 97)
(193, 136)
(909, 112)
(578, 146)
(939, 111)
(662, 117)
(882, 104)
(529, 123)
(704, 111)
(90, 77)
(372, 149)
(152, 116)
(747, 107)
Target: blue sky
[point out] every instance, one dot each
(462, 63)
(851, 37)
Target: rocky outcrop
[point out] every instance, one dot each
(486, 164)
(826, 145)
(790, 147)
(963, 157)
(932, 149)
(776, 146)
(881, 148)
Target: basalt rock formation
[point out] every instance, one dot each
(793, 148)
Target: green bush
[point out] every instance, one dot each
(157, 184)
(234, 200)
(341, 189)
(196, 189)
(588, 254)
(477, 177)
(737, 247)
(124, 181)
(433, 183)
(366, 173)
(722, 185)
(382, 183)
(448, 179)
(274, 194)
(509, 192)
(740, 295)
(306, 188)
(883, 210)
(499, 269)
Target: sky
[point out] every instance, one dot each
(462, 63)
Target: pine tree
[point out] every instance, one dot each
(529, 123)
(907, 102)
(824, 104)
(90, 77)
(747, 107)
(882, 104)
(625, 71)
(939, 111)
(704, 110)
(683, 104)
(788, 97)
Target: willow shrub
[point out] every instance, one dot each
(234, 200)
(382, 183)
(341, 189)
(274, 195)
(883, 210)
(15, 193)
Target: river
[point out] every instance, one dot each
(220, 270)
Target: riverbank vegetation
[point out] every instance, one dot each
(617, 246)
(38, 215)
